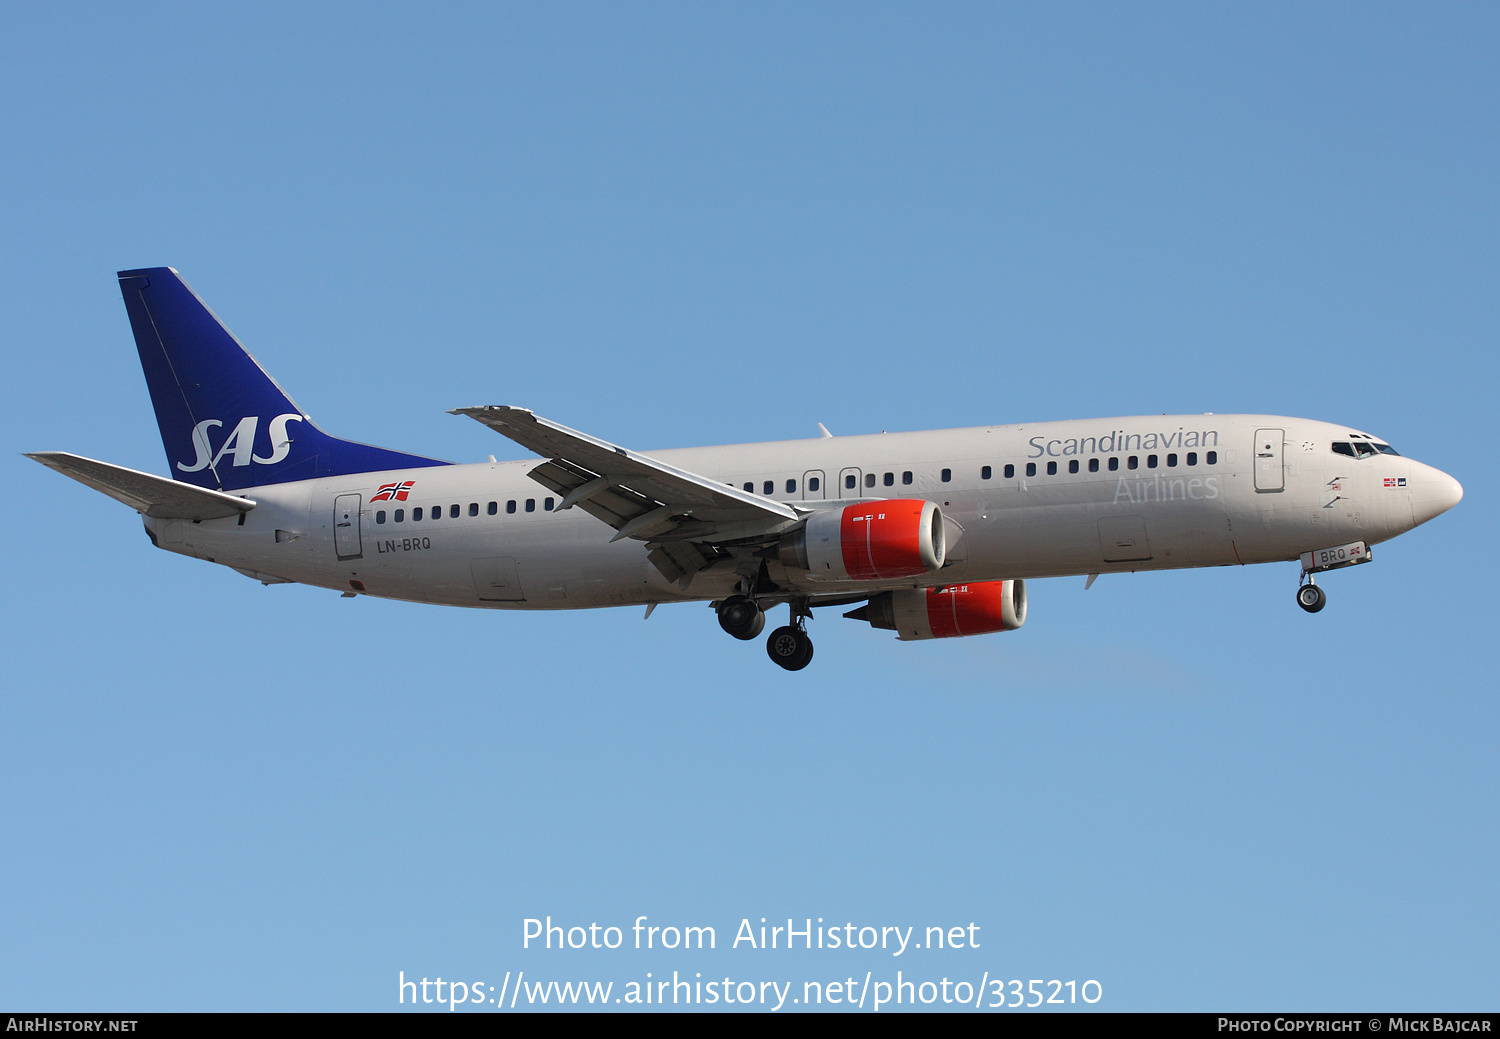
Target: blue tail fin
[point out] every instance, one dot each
(225, 423)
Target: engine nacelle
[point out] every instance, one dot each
(876, 541)
(958, 609)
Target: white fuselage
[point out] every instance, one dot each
(1188, 490)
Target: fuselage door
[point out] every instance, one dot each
(496, 579)
(1122, 539)
(849, 483)
(813, 488)
(1269, 473)
(346, 526)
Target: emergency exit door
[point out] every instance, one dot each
(1269, 472)
(346, 540)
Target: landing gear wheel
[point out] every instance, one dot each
(1311, 598)
(790, 648)
(741, 617)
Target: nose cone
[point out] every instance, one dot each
(1433, 492)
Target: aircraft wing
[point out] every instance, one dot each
(681, 513)
(156, 496)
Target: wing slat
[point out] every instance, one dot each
(637, 484)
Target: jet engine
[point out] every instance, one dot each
(944, 613)
(874, 541)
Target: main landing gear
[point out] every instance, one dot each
(742, 617)
(789, 646)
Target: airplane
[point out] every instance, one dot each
(928, 534)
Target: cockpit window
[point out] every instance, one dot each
(1363, 448)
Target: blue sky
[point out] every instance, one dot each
(675, 225)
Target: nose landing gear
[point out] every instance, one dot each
(1310, 597)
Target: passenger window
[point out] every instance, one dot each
(1192, 458)
(1010, 472)
(984, 473)
(1150, 461)
(1093, 465)
(1114, 463)
(791, 486)
(453, 511)
(1030, 468)
(890, 479)
(1073, 466)
(813, 483)
(1132, 462)
(750, 487)
(849, 481)
(494, 507)
(379, 516)
(869, 479)
(768, 487)
(1051, 468)
(510, 506)
(1212, 458)
(947, 475)
(906, 478)
(547, 504)
(416, 514)
(530, 504)
(400, 515)
(473, 508)
(1171, 461)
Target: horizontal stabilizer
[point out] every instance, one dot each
(156, 496)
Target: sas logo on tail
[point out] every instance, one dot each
(393, 491)
(240, 444)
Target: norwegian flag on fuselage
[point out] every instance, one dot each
(393, 491)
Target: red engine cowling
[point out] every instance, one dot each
(958, 609)
(875, 541)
